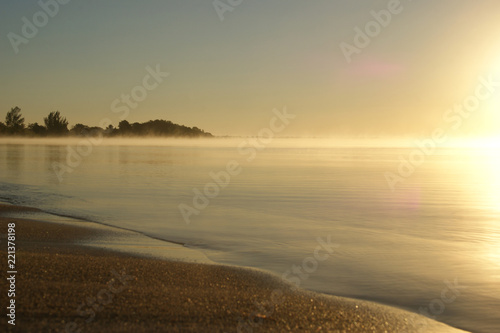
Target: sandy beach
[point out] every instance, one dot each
(63, 286)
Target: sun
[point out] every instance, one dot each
(492, 143)
(491, 164)
(483, 176)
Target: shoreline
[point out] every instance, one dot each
(69, 280)
(110, 237)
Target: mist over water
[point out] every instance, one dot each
(401, 247)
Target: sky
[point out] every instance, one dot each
(231, 62)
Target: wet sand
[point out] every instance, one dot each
(63, 286)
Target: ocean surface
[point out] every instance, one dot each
(430, 245)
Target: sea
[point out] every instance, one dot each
(415, 228)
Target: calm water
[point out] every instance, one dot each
(395, 247)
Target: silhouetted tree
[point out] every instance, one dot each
(137, 129)
(124, 127)
(80, 130)
(38, 130)
(14, 121)
(56, 125)
(3, 128)
(110, 130)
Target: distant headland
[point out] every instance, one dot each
(56, 125)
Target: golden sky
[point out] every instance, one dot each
(230, 66)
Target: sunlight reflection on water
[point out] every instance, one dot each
(397, 247)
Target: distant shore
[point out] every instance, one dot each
(63, 286)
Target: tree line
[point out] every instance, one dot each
(57, 125)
